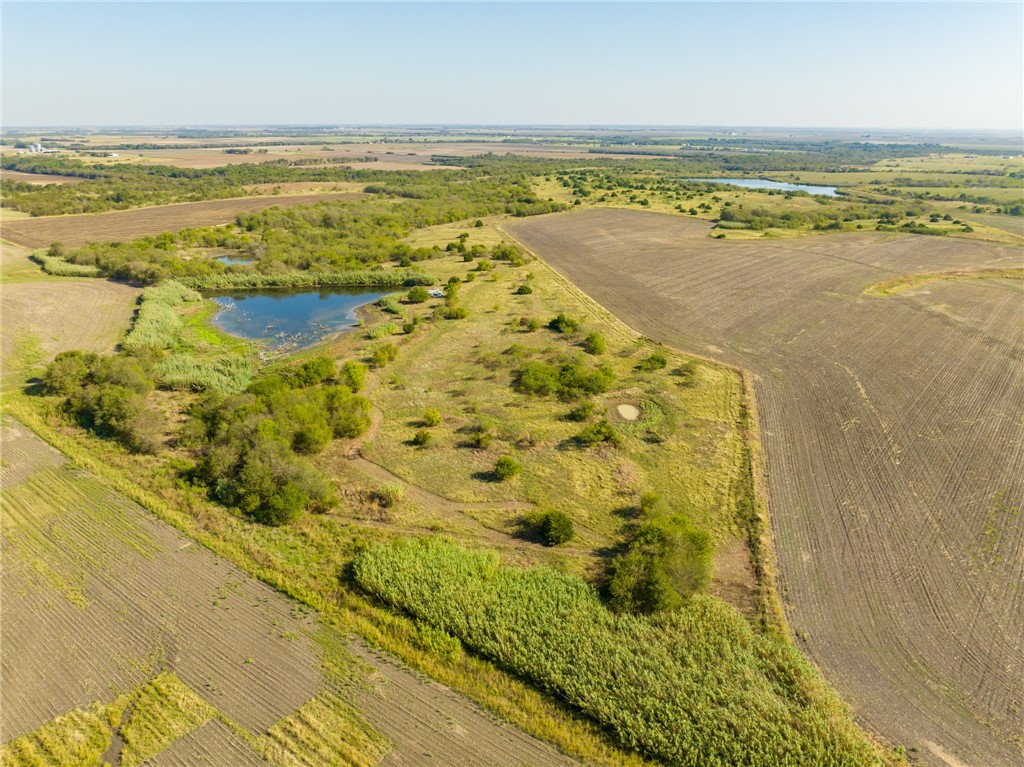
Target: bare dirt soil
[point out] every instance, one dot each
(98, 597)
(42, 318)
(431, 725)
(41, 179)
(892, 433)
(123, 225)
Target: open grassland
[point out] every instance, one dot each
(125, 639)
(891, 426)
(126, 225)
(685, 445)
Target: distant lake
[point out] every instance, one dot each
(287, 319)
(763, 183)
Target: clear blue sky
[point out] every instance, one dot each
(912, 65)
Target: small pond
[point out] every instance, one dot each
(763, 183)
(287, 319)
(234, 260)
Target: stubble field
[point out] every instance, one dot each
(891, 427)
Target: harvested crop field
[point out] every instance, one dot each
(44, 317)
(102, 601)
(125, 225)
(892, 437)
(41, 179)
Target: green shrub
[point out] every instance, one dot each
(506, 467)
(417, 295)
(564, 324)
(581, 412)
(353, 375)
(422, 438)
(697, 686)
(529, 324)
(595, 344)
(556, 528)
(389, 494)
(656, 361)
(455, 312)
(523, 290)
(600, 431)
(383, 353)
(570, 381)
(432, 416)
(390, 304)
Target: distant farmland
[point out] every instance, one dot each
(892, 432)
(125, 225)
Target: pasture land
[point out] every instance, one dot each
(123, 637)
(891, 429)
(124, 225)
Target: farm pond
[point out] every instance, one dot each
(763, 183)
(286, 319)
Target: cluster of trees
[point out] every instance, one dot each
(250, 445)
(570, 380)
(328, 236)
(666, 561)
(108, 396)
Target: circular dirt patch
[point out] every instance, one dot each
(628, 412)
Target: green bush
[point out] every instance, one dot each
(506, 467)
(595, 344)
(422, 438)
(523, 290)
(556, 528)
(417, 295)
(656, 361)
(353, 375)
(564, 324)
(600, 431)
(570, 381)
(696, 686)
(389, 494)
(581, 412)
(382, 354)
(432, 416)
(390, 304)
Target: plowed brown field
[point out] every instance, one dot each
(98, 597)
(893, 430)
(123, 225)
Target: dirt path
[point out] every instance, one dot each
(892, 433)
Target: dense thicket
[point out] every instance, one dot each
(107, 395)
(250, 443)
(323, 239)
(695, 686)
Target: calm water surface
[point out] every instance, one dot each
(763, 183)
(289, 318)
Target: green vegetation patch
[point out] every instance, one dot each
(324, 733)
(76, 739)
(695, 686)
(161, 712)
